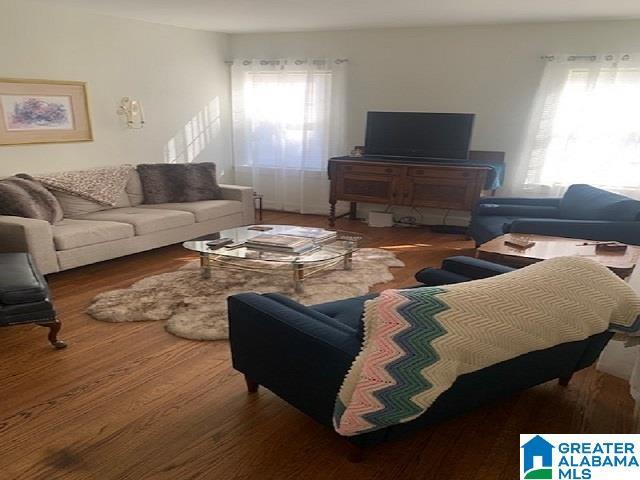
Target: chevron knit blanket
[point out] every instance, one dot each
(419, 341)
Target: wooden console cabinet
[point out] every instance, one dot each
(456, 187)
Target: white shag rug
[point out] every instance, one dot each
(196, 308)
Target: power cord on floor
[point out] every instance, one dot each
(408, 220)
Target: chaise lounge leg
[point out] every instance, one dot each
(252, 386)
(564, 381)
(54, 328)
(356, 453)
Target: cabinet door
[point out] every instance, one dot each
(458, 191)
(363, 187)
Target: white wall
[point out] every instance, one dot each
(492, 71)
(177, 73)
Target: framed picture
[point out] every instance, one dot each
(43, 111)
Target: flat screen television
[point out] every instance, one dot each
(423, 135)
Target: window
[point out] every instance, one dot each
(287, 117)
(287, 122)
(586, 127)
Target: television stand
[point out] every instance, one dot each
(446, 184)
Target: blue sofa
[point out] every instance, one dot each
(583, 212)
(303, 353)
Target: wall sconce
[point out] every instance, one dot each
(132, 110)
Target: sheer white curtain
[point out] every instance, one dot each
(585, 126)
(287, 121)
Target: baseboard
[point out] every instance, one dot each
(453, 229)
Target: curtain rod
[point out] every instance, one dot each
(277, 61)
(590, 58)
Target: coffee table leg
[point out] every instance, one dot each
(205, 265)
(298, 277)
(348, 261)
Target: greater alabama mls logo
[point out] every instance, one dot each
(580, 457)
(537, 459)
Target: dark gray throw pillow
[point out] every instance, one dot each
(22, 196)
(178, 182)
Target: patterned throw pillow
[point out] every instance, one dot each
(179, 182)
(22, 196)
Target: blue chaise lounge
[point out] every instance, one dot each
(303, 353)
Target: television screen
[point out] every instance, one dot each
(409, 134)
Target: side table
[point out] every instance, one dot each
(257, 203)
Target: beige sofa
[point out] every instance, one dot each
(96, 234)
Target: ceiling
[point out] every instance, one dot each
(240, 16)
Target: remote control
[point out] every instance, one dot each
(214, 244)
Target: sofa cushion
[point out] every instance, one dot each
(311, 313)
(71, 233)
(347, 311)
(179, 182)
(506, 210)
(584, 202)
(73, 205)
(507, 227)
(144, 220)
(203, 211)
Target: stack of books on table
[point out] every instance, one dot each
(281, 243)
(318, 235)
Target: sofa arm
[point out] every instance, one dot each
(600, 230)
(18, 234)
(527, 211)
(244, 195)
(473, 268)
(460, 269)
(433, 277)
(294, 355)
(250, 309)
(534, 201)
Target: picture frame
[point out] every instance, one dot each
(43, 111)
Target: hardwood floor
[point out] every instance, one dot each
(130, 401)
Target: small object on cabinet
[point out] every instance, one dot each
(357, 151)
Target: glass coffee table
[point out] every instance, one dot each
(325, 255)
